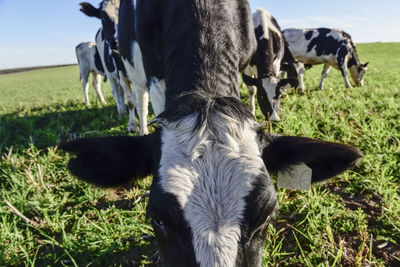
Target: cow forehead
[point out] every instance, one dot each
(210, 176)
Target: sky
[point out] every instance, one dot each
(45, 32)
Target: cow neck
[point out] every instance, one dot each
(203, 54)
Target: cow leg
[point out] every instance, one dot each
(342, 59)
(343, 69)
(131, 101)
(85, 87)
(142, 106)
(301, 70)
(97, 87)
(117, 90)
(157, 95)
(325, 72)
(252, 95)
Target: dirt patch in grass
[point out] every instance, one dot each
(118, 198)
(371, 204)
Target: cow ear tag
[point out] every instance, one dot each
(296, 177)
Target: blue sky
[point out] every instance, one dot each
(45, 32)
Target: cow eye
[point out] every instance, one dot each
(159, 224)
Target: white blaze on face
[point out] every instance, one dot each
(269, 85)
(210, 177)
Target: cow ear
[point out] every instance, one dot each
(250, 81)
(90, 10)
(112, 161)
(365, 64)
(326, 159)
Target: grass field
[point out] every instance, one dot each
(49, 218)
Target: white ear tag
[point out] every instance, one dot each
(295, 177)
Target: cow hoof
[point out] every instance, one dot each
(144, 132)
(275, 117)
(121, 113)
(132, 129)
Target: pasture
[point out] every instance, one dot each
(49, 218)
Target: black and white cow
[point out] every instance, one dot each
(89, 62)
(106, 43)
(266, 65)
(131, 58)
(330, 47)
(212, 197)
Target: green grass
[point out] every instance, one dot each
(340, 223)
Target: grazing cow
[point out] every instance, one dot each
(106, 43)
(89, 62)
(212, 197)
(266, 64)
(132, 61)
(330, 47)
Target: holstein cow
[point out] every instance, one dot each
(89, 62)
(212, 197)
(106, 43)
(265, 66)
(132, 61)
(330, 47)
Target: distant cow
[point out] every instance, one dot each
(108, 12)
(262, 74)
(211, 197)
(330, 47)
(89, 62)
(106, 42)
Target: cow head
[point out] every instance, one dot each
(294, 70)
(357, 73)
(269, 92)
(107, 12)
(212, 197)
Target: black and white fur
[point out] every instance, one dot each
(147, 78)
(211, 198)
(131, 55)
(106, 42)
(272, 56)
(89, 62)
(331, 47)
